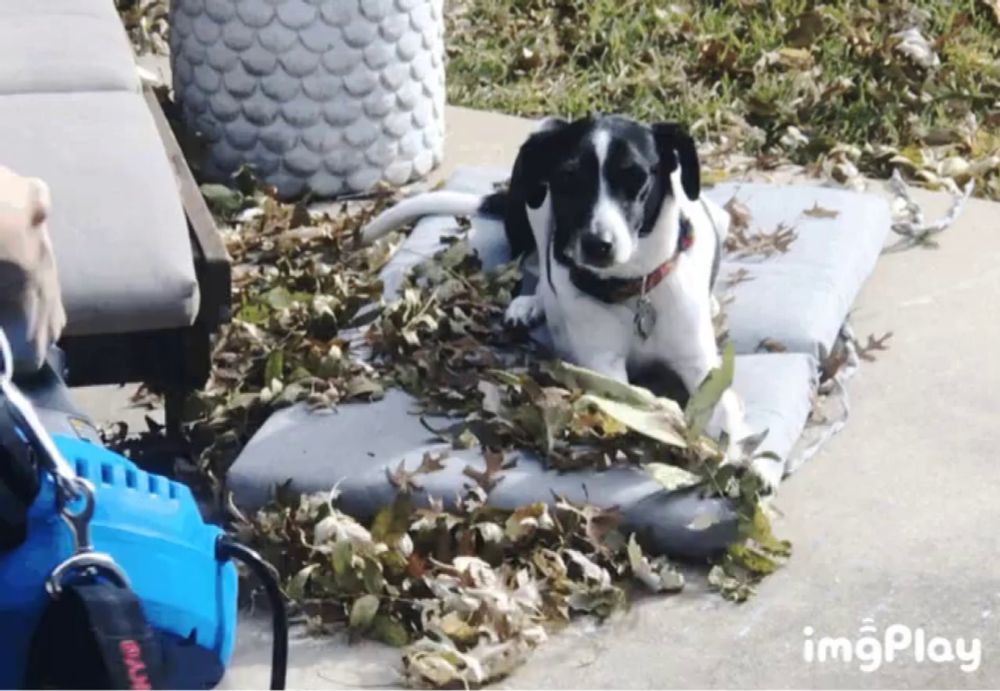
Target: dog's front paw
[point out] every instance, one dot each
(770, 471)
(525, 311)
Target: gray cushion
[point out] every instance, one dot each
(802, 297)
(63, 45)
(355, 445)
(777, 391)
(118, 228)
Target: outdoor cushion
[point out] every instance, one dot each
(117, 225)
(63, 45)
(355, 445)
(800, 298)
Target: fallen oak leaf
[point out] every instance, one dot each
(590, 570)
(911, 43)
(816, 211)
(295, 590)
(524, 520)
(598, 523)
(224, 202)
(657, 576)
(707, 516)
(465, 440)
(492, 397)
(753, 559)
(794, 58)
(492, 474)
(401, 478)
(873, 345)
(581, 379)
(739, 214)
(430, 463)
(808, 27)
(831, 362)
(457, 629)
(735, 588)
(389, 631)
(393, 521)
(760, 532)
(770, 345)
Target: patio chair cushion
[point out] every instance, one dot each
(802, 300)
(801, 297)
(355, 446)
(64, 45)
(117, 224)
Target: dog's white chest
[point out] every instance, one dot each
(638, 329)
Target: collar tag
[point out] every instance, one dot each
(645, 315)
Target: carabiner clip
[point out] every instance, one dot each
(84, 558)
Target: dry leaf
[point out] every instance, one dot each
(816, 211)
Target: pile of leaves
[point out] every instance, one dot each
(468, 590)
(146, 22)
(843, 87)
(303, 289)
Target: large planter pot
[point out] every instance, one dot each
(323, 96)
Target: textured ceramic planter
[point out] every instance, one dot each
(328, 96)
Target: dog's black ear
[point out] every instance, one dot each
(676, 147)
(550, 124)
(534, 160)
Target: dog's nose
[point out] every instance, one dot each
(597, 249)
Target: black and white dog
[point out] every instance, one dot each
(628, 250)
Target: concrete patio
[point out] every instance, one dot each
(892, 521)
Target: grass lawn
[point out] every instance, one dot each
(913, 84)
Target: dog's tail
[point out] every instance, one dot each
(439, 203)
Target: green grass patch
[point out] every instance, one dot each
(741, 72)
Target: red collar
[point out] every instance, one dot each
(614, 290)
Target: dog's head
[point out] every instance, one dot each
(605, 183)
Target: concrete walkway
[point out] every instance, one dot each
(897, 520)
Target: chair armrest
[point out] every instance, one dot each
(212, 262)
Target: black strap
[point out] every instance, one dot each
(94, 636)
(19, 485)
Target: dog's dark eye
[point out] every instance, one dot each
(632, 179)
